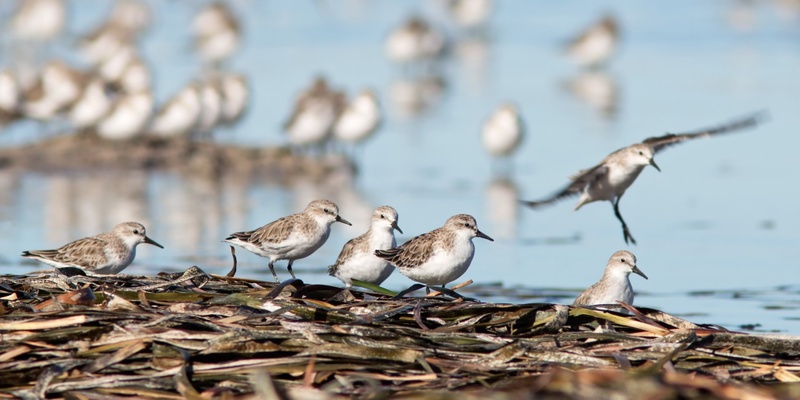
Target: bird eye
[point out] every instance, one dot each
(325, 209)
(641, 154)
(135, 231)
(622, 259)
(466, 224)
(382, 216)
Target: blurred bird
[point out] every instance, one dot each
(216, 33)
(38, 20)
(92, 105)
(57, 89)
(412, 97)
(596, 44)
(503, 131)
(597, 89)
(470, 14)
(180, 115)
(609, 179)
(128, 118)
(125, 23)
(235, 96)
(415, 40)
(314, 114)
(211, 103)
(359, 120)
(10, 98)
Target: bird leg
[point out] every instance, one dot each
(625, 230)
(290, 268)
(272, 269)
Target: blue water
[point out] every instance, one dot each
(720, 217)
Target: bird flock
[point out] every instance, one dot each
(111, 95)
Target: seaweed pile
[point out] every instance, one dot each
(193, 335)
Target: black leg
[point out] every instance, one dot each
(290, 269)
(625, 230)
(272, 269)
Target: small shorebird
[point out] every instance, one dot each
(38, 20)
(180, 115)
(611, 178)
(128, 118)
(235, 96)
(502, 132)
(314, 114)
(359, 120)
(615, 284)
(92, 105)
(595, 45)
(59, 87)
(10, 98)
(105, 254)
(211, 102)
(470, 14)
(439, 256)
(415, 40)
(292, 237)
(357, 259)
(216, 32)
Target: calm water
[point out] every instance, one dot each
(717, 229)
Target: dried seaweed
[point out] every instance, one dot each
(191, 335)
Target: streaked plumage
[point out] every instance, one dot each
(357, 260)
(439, 256)
(106, 253)
(292, 237)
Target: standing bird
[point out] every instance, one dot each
(292, 237)
(358, 260)
(415, 40)
(106, 254)
(503, 131)
(439, 256)
(595, 45)
(611, 178)
(314, 114)
(216, 33)
(359, 120)
(38, 20)
(615, 284)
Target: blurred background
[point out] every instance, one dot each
(717, 229)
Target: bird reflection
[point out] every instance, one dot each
(412, 97)
(501, 204)
(473, 53)
(598, 90)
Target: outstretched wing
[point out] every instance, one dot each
(660, 142)
(579, 182)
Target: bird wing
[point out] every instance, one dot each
(87, 252)
(276, 231)
(579, 182)
(658, 143)
(345, 254)
(410, 254)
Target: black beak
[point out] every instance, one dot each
(394, 225)
(483, 235)
(637, 271)
(342, 220)
(653, 163)
(151, 241)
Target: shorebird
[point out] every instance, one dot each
(128, 118)
(180, 115)
(216, 32)
(595, 45)
(314, 114)
(359, 119)
(235, 96)
(93, 104)
(106, 253)
(415, 40)
(357, 259)
(615, 285)
(10, 98)
(439, 256)
(292, 237)
(502, 132)
(38, 20)
(609, 179)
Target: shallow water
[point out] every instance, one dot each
(717, 228)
